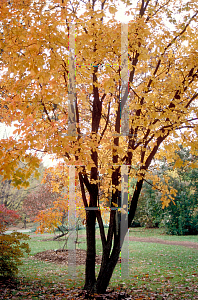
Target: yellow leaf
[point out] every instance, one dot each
(112, 9)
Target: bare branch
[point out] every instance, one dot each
(101, 226)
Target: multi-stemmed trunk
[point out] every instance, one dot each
(111, 252)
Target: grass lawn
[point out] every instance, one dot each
(159, 233)
(156, 271)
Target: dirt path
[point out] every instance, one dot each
(166, 242)
(159, 241)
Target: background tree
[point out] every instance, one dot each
(40, 199)
(14, 197)
(161, 90)
(7, 217)
(54, 214)
(180, 217)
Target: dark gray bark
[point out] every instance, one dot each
(90, 277)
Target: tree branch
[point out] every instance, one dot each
(101, 226)
(83, 190)
(107, 121)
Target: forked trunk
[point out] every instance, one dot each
(109, 259)
(106, 270)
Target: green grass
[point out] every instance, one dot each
(160, 234)
(40, 243)
(154, 269)
(152, 264)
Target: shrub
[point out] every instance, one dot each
(12, 246)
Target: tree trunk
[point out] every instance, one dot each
(134, 201)
(90, 277)
(25, 222)
(109, 261)
(107, 267)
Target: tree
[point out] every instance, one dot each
(54, 214)
(40, 199)
(14, 197)
(181, 217)
(154, 86)
(11, 196)
(7, 217)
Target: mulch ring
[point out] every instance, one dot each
(61, 256)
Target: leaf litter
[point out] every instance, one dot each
(36, 289)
